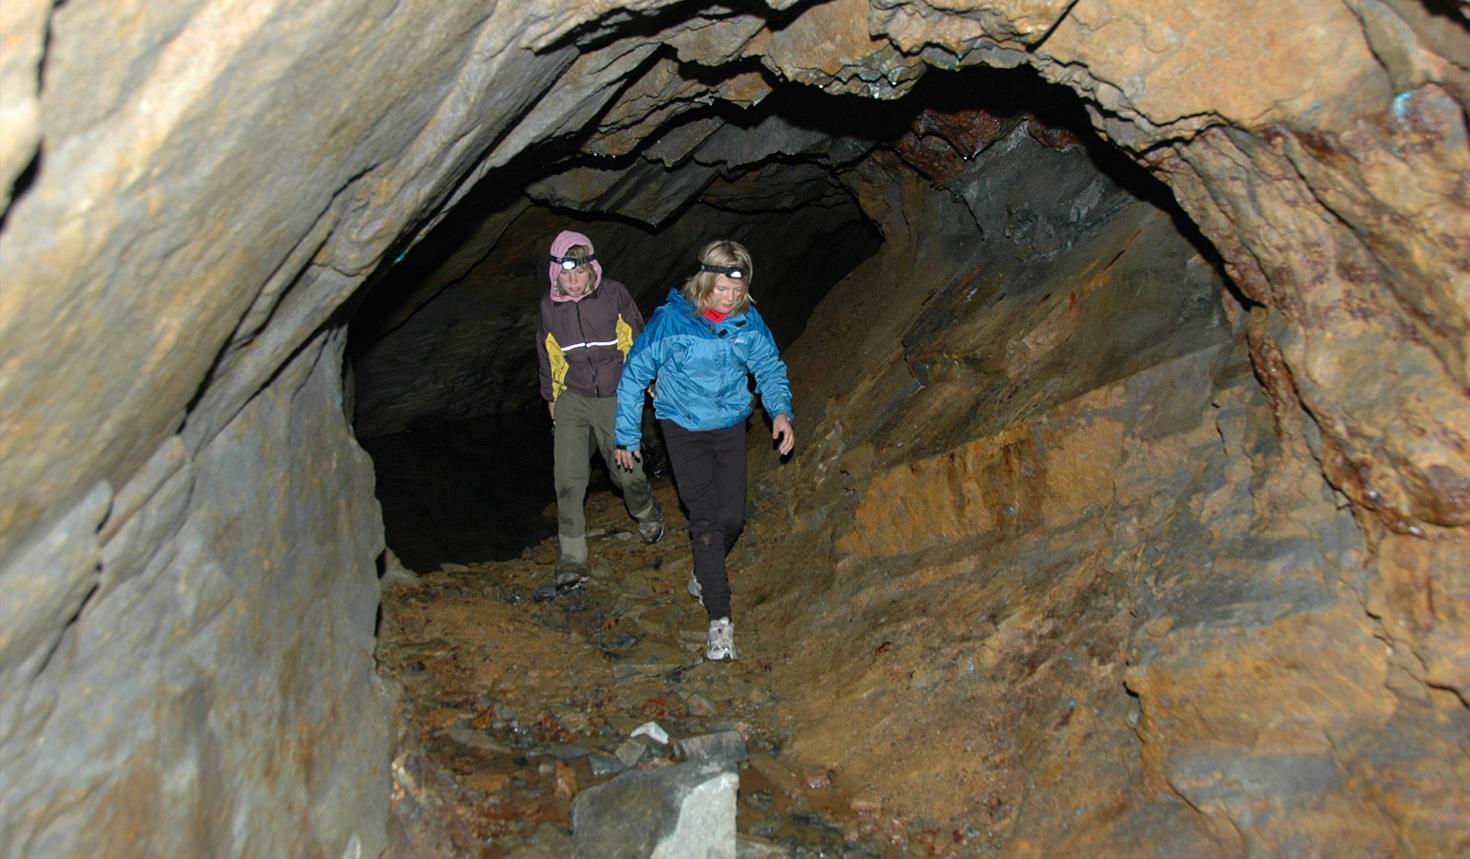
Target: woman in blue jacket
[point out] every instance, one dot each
(698, 351)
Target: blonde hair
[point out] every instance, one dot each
(699, 289)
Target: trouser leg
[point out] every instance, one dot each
(637, 494)
(571, 469)
(655, 458)
(709, 471)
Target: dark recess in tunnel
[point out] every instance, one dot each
(472, 481)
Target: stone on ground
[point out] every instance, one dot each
(685, 810)
(723, 747)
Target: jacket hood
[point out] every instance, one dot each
(559, 246)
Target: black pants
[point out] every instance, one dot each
(709, 471)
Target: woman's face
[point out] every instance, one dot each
(726, 294)
(576, 282)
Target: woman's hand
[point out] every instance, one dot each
(626, 458)
(781, 429)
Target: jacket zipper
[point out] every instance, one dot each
(596, 391)
(725, 351)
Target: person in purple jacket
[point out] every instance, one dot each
(588, 324)
(699, 350)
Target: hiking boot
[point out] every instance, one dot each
(651, 532)
(695, 590)
(720, 646)
(569, 574)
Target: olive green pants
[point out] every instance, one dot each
(582, 424)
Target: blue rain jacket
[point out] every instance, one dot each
(700, 368)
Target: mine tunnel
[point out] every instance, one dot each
(441, 348)
(1130, 508)
(1011, 263)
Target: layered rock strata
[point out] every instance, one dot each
(1139, 613)
(193, 189)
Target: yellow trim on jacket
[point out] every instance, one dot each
(625, 336)
(559, 362)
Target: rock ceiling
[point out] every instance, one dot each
(192, 190)
(215, 169)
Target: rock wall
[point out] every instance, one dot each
(214, 694)
(1080, 568)
(192, 188)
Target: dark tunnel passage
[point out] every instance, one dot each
(441, 349)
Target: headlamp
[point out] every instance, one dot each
(569, 263)
(734, 272)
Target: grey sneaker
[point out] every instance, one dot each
(651, 532)
(720, 646)
(569, 574)
(695, 590)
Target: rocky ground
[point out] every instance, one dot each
(1053, 572)
(515, 698)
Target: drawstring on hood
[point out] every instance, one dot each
(559, 247)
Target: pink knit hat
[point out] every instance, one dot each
(559, 247)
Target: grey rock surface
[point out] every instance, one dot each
(602, 765)
(23, 28)
(223, 676)
(630, 753)
(726, 748)
(755, 847)
(644, 190)
(685, 810)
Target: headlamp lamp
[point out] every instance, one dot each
(570, 263)
(734, 272)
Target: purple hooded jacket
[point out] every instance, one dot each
(581, 341)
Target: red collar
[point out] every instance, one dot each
(714, 315)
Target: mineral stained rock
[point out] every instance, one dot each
(193, 190)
